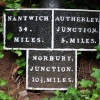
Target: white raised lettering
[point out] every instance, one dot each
(16, 39)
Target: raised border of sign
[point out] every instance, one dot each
(31, 88)
(52, 40)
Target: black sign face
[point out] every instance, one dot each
(52, 28)
(30, 29)
(51, 70)
(76, 29)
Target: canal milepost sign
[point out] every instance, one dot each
(51, 70)
(51, 38)
(76, 29)
(52, 29)
(30, 29)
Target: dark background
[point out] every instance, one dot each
(70, 4)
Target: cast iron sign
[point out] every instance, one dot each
(51, 70)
